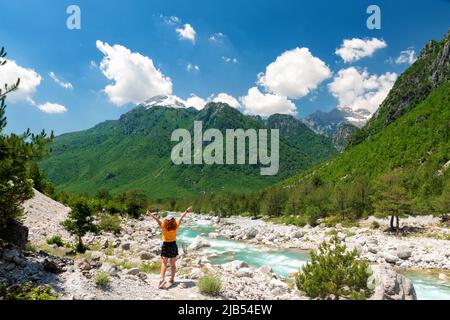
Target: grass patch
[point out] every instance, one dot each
(56, 239)
(209, 285)
(101, 279)
(152, 267)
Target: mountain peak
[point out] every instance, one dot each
(169, 101)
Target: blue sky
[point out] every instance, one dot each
(255, 33)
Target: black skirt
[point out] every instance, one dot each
(169, 250)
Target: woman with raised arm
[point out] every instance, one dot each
(169, 249)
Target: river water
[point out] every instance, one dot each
(284, 262)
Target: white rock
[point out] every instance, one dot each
(265, 269)
(196, 273)
(244, 273)
(234, 265)
(404, 253)
(389, 258)
(198, 243)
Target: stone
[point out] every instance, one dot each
(198, 243)
(9, 255)
(104, 244)
(404, 253)
(234, 265)
(83, 265)
(110, 269)
(142, 275)
(265, 269)
(213, 235)
(443, 277)
(145, 255)
(126, 246)
(52, 267)
(389, 285)
(244, 273)
(275, 283)
(196, 273)
(250, 233)
(133, 271)
(116, 243)
(389, 258)
(96, 255)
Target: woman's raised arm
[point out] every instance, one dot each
(153, 217)
(184, 214)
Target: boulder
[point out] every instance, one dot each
(244, 273)
(389, 257)
(250, 233)
(14, 232)
(83, 265)
(104, 243)
(198, 243)
(404, 253)
(10, 255)
(145, 255)
(213, 235)
(133, 271)
(275, 283)
(389, 285)
(234, 265)
(126, 246)
(265, 269)
(51, 266)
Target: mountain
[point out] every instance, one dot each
(335, 124)
(430, 71)
(134, 151)
(411, 131)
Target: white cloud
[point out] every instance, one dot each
(229, 59)
(258, 103)
(407, 56)
(29, 80)
(172, 20)
(226, 98)
(294, 74)
(217, 37)
(358, 90)
(186, 32)
(356, 49)
(93, 65)
(195, 101)
(65, 85)
(192, 67)
(135, 76)
(49, 107)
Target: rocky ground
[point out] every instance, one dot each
(129, 258)
(423, 246)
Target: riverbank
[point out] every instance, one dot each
(416, 250)
(207, 246)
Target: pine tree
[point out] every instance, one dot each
(393, 198)
(16, 153)
(80, 222)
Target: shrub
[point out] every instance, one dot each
(334, 273)
(27, 292)
(101, 279)
(375, 225)
(110, 223)
(56, 239)
(209, 285)
(313, 214)
(153, 267)
(80, 222)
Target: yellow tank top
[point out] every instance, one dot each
(169, 236)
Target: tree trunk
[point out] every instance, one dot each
(392, 222)
(397, 223)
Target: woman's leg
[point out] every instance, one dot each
(173, 268)
(163, 270)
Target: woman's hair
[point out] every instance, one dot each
(170, 224)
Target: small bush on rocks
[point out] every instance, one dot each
(209, 285)
(56, 239)
(109, 223)
(101, 279)
(334, 273)
(27, 291)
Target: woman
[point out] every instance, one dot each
(169, 249)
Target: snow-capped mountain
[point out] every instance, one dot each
(169, 101)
